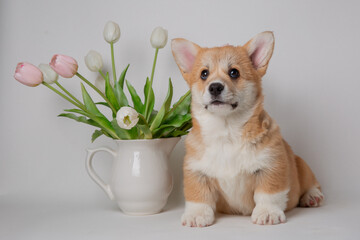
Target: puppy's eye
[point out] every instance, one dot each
(234, 73)
(204, 74)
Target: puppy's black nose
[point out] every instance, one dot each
(215, 89)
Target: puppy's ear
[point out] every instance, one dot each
(184, 53)
(260, 49)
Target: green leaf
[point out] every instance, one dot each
(164, 108)
(180, 120)
(148, 98)
(145, 130)
(164, 132)
(109, 92)
(186, 126)
(96, 134)
(181, 107)
(133, 132)
(103, 103)
(120, 95)
(152, 116)
(122, 77)
(122, 133)
(177, 133)
(138, 105)
(107, 134)
(89, 103)
(81, 119)
(102, 121)
(79, 111)
(87, 114)
(176, 122)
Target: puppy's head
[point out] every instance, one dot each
(227, 79)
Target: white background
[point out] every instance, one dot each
(311, 89)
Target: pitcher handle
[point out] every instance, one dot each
(94, 176)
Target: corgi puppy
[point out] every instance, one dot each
(236, 159)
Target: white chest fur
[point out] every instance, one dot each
(226, 154)
(238, 193)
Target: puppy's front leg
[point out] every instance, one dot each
(271, 197)
(269, 207)
(200, 200)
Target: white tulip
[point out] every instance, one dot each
(127, 117)
(111, 32)
(159, 37)
(50, 76)
(93, 61)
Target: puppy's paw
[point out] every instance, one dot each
(312, 198)
(197, 215)
(268, 215)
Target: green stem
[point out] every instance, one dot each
(147, 114)
(102, 74)
(153, 68)
(63, 96)
(97, 90)
(68, 93)
(113, 61)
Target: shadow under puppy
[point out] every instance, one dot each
(236, 159)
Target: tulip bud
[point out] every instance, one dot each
(28, 74)
(63, 65)
(50, 76)
(127, 117)
(111, 32)
(93, 61)
(159, 37)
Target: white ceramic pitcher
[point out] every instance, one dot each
(141, 181)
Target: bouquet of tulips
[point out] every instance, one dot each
(139, 121)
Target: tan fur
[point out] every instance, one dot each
(288, 171)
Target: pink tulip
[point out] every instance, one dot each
(63, 65)
(28, 74)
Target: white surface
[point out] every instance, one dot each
(73, 219)
(311, 89)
